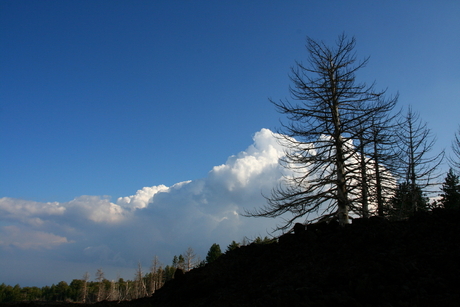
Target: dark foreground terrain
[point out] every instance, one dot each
(369, 263)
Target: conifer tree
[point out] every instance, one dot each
(175, 262)
(213, 253)
(181, 262)
(168, 272)
(232, 246)
(401, 204)
(450, 196)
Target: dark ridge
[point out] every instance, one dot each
(368, 263)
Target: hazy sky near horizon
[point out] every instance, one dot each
(120, 118)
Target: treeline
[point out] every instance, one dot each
(401, 204)
(144, 283)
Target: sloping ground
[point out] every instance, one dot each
(368, 263)
(374, 263)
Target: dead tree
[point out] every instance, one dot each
(455, 159)
(375, 175)
(100, 281)
(329, 105)
(156, 275)
(418, 170)
(139, 288)
(190, 259)
(84, 294)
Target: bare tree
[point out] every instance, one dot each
(418, 170)
(139, 288)
(330, 107)
(100, 280)
(375, 175)
(125, 294)
(455, 161)
(84, 294)
(358, 172)
(156, 275)
(190, 258)
(114, 293)
(384, 161)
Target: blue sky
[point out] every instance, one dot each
(105, 98)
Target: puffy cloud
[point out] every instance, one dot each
(28, 212)
(141, 198)
(260, 158)
(155, 220)
(92, 208)
(95, 208)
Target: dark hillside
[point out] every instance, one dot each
(369, 263)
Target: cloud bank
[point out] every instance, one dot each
(89, 232)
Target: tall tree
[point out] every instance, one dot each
(84, 294)
(100, 279)
(375, 175)
(455, 160)
(383, 160)
(363, 174)
(156, 275)
(418, 170)
(139, 283)
(450, 196)
(329, 107)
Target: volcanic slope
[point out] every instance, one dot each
(368, 263)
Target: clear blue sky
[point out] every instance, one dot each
(107, 97)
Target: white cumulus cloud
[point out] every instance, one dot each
(94, 208)
(141, 198)
(28, 212)
(157, 220)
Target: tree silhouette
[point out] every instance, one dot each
(455, 160)
(213, 253)
(325, 118)
(418, 170)
(450, 196)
